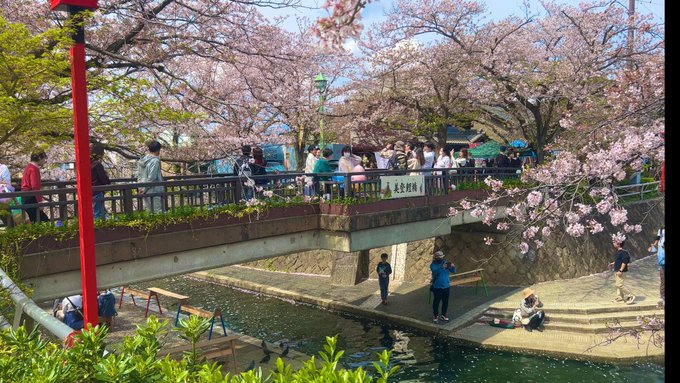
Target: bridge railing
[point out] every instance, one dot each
(59, 199)
(436, 181)
(637, 191)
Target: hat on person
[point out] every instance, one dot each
(399, 146)
(527, 292)
(438, 254)
(257, 150)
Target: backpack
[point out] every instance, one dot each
(395, 162)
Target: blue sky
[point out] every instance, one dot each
(497, 9)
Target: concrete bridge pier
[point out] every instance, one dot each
(398, 261)
(348, 269)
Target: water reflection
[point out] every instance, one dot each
(421, 356)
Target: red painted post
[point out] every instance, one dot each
(88, 266)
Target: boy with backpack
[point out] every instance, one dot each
(243, 169)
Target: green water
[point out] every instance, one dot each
(425, 358)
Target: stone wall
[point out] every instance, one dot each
(318, 262)
(418, 260)
(561, 257)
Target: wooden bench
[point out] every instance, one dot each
(210, 349)
(476, 276)
(152, 292)
(203, 314)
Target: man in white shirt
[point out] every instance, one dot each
(428, 153)
(312, 157)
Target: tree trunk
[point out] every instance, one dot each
(441, 136)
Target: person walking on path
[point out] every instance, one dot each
(31, 181)
(659, 246)
(440, 286)
(99, 177)
(620, 264)
(384, 271)
(149, 170)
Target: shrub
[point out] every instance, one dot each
(26, 357)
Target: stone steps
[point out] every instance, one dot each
(584, 319)
(581, 309)
(583, 328)
(589, 320)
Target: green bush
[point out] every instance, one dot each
(26, 357)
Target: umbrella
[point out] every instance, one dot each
(518, 144)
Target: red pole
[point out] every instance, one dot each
(88, 266)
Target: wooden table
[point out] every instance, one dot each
(210, 349)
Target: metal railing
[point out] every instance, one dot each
(28, 313)
(59, 199)
(638, 191)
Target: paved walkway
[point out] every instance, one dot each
(408, 305)
(597, 290)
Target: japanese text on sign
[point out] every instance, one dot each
(402, 186)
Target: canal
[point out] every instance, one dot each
(422, 357)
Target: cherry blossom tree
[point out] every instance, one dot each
(535, 70)
(186, 72)
(412, 90)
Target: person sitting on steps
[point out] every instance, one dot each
(529, 307)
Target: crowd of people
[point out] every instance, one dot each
(414, 156)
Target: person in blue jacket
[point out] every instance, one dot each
(106, 307)
(440, 286)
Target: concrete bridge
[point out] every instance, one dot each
(125, 256)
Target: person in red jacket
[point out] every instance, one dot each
(30, 181)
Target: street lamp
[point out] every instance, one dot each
(320, 83)
(88, 266)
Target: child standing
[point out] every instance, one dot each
(384, 270)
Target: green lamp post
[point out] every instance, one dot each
(320, 83)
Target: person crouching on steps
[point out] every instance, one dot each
(441, 285)
(529, 307)
(384, 270)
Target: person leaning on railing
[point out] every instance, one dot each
(323, 166)
(31, 181)
(149, 170)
